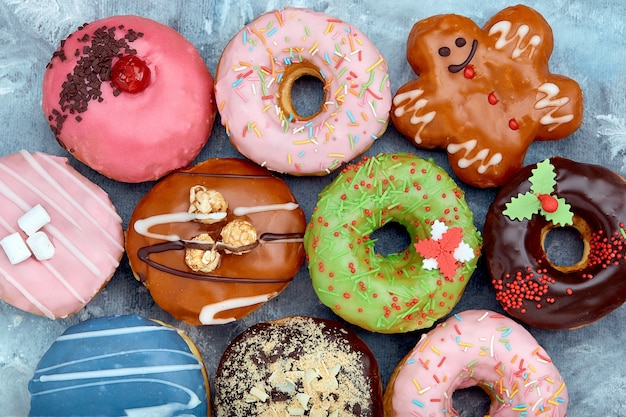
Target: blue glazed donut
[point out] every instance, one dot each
(120, 366)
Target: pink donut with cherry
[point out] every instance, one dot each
(129, 97)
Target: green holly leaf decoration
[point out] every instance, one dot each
(540, 199)
(543, 178)
(522, 207)
(563, 215)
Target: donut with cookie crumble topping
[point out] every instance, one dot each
(298, 366)
(558, 193)
(403, 291)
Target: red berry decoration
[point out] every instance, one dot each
(469, 72)
(548, 203)
(130, 74)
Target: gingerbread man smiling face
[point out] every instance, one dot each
(485, 94)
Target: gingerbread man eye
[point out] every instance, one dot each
(444, 51)
(460, 42)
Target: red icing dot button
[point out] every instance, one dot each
(492, 98)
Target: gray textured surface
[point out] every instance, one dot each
(590, 46)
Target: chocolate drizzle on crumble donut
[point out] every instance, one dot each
(298, 366)
(92, 69)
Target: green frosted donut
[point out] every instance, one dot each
(402, 291)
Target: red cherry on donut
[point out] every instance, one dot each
(130, 74)
(549, 204)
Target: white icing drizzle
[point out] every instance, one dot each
(413, 96)
(504, 28)
(69, 245)
(208, 312)
(53, 271)
(82, 257)
(27, 294)
(142, 226)
(9, 194)
(76, 204)
(71, 177)
(43, 196)
(114, 332)
(481, 156)
(242, 211)
(111, 355)
(549, 101)
(119, 372)
(64, 282)
(194, 401)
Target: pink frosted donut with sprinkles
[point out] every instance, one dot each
(477, 348)
(254, 80)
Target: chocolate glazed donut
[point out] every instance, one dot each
(530, 286)
(226, 282)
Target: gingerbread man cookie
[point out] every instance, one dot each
(485, 94)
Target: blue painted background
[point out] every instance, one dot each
(590, 46)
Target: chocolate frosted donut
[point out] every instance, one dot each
(214, 241)
(558, 193)
(298, 366)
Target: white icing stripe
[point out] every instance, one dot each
(114, 332)
(504, 28)
(26, 294)
(119, 372)
(142, 226)
(415, 119)
(62, 169)
(64, 282)
(480, 157)
(193, 402)
(7, 226)
(111, 355)
(76, 204)
(208, 312)
(82, 257)
(43, 196)
(242, 211)
(550, 101)
(9, 194)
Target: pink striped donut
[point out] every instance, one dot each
(83, 229)
(477, 348)
(258, 69)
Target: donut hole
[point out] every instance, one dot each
(301, 91)
(471, 401)
(564, 248)
(307, 96)
(392, 238)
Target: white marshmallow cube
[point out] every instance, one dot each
(33, 220)
(40, 245)
(15, 248)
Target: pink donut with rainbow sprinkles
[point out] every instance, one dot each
(477, 348)
(253, 89)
